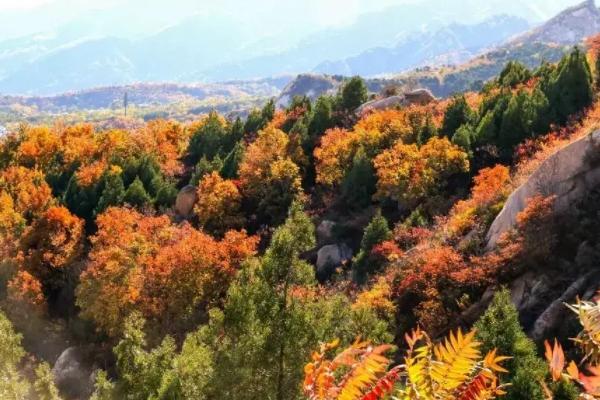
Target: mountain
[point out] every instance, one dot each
(569, 27)
(454, 43)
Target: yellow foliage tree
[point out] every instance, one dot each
(219, 204)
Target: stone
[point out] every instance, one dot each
(186, 199)
(73, 375)
(331, 257)
(568, 174)
(419, 97)
(325, 232)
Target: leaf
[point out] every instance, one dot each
(556, 359)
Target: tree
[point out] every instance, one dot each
(50, 246)
(406, 173)
(13, 386)
(170, 273)
(28, 189)
(353, 94)
(136, 194)
(113, 193)
(570, 86)
(205, 167)
(232, 161)
(375, 233)
(208, 139)
(514, 73)
(268, 176)
(44, 384)
(334, 156)
(358, 185)
(322, 117)
(272, 317)
(219, 204)
(499, 328)
(457, 114)
(464, 138)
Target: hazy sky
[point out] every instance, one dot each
(19, 17)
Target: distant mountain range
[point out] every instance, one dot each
(209, 48)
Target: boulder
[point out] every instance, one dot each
(325, 232)
(568, 174)
(381, 104)
(419, 97)
(73, 374)
(186, 199)
(330, 257)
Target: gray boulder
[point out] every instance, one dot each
(186, 199)
(569, 174)
(73, 374)
(331, 257)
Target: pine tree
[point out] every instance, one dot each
(457, 114)
(112, 194)
(513, 74)
(208, 140)
(321, 118)
(499, 328)
(232, 161)
(358, 186)
(136, 195)
(353, 94)
(375, 233)
(464, 138)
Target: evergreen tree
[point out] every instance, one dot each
(375, 233)
(205, 167)
(81, 201)
(464, 138)
(353, 94)
(12, 384)
(321, 118)
(136, 195)
(231, 163)
(570, 87)
(112, 194)
(358, 186)
(499, 328)
(209, 139)
(268, 112)
(166, 196)
(457, 114)
(513, 129)
(427, 131)
(104, 389)
(514, 73)
(486, 131)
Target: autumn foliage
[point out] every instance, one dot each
(147, 263)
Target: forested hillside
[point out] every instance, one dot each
(306, 253)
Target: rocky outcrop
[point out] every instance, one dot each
(569, 27)
(419, 96)
(325, 233)
(310, 85)
(186, 199)
(568, 174)
(331, 257)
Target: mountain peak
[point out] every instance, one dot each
(569, 27)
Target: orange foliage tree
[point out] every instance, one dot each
(219, 204)
(268, 176)
(50, 246)
(146, 263)
(28, 189)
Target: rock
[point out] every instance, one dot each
(552, 317)
(325, 232)
(330, 257)
(419, 96)
(382, 104)
(186, 199)
(73, 374)
(568, 174)
(569, 27)
(310, 85)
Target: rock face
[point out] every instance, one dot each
(330, 257)
(310, 85)
(186, 199)
(568, 174)
(569, 27)
(419, 96)
(73, 374)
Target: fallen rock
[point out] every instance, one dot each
(568, 174)
(419, 97)
(330, 257)
(186, 199)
